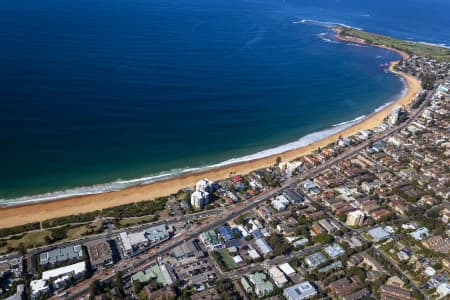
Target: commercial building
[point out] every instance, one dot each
(136, 242)
(100, 253)
(187, 249)
(211, 240)
(304, 290)
(162, 274)
(61, 255)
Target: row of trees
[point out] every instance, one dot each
(137, 209)
(5, 232)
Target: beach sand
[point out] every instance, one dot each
(17, 215)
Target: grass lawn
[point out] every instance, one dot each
(31, 239)
(136, 221)
(77, 232)
(227, 259)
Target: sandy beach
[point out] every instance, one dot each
(17, 215)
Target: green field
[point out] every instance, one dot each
(224, 260)
(138, 220)
(227, 259)
(419, 49)
(29, 240)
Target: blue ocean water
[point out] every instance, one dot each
(96, 91)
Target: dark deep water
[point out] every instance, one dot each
(96, 91)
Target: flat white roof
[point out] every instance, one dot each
(75, 268)
(287, 269)
(302, 290)
(237, 259)
(125, 241)
(253, 254)
(38, 285)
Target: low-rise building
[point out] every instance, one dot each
(437, 243)
(280, 202)
(378, 234)
(304, 290)
(162, 274)
(60, 276)
(278, 277)
(132, 243)
(334, 250)
(287, 269)
(420, 233)
(263, 246)
(39, 288)
(211, 240)
(61, 255)
(315, 259)
(389, 292)
(263, 287)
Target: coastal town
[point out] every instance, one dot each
(366, 217)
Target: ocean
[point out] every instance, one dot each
(98, 95)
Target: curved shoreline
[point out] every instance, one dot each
(39, 211)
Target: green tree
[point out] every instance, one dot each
(22, 249)
(324, 238)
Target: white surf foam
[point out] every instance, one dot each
(324, 23)
(350, 122)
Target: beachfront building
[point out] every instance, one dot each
(396, 116)
(205, 185)
(199, 199)
(136, 242)
(304, 290)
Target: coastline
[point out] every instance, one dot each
(39, 211)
